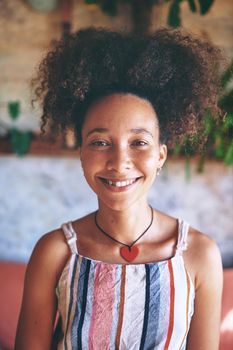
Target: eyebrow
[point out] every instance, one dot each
(98, 130)
(141, 131)
(133, 131)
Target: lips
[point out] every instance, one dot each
(119, 183)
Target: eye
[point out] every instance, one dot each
(139, 143)
(99, 143)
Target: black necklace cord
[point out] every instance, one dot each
(112, 238)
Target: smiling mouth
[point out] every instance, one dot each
(123, 183)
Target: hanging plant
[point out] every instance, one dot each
(20, 140)
(141, 11)
(174, 14)
(219, 135)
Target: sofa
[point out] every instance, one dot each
(11, 290)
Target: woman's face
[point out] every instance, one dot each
(120, 150)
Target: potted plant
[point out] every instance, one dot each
(20, 140)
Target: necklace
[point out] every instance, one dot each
(129, 252)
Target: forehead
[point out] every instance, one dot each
(121, 108)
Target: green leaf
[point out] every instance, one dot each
(219, 149)
(192, 5)
(14, 109)
(208, 123)
(227, 75)
(174, 19)
(228, 121)
(177, 148)
(195, 139)
(109, 7)
(205, 6)
(226, 102)
(228, 160)
(20, 141)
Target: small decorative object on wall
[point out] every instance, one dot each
(20, 140)
(43, 5)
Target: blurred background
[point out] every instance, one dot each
(41, 183)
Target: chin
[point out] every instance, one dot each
(118, 205)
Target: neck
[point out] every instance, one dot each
(126, 225)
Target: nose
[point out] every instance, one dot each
(119, 159)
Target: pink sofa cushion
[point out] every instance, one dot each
(11, 291)
(226, 340)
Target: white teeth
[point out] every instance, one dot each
(121, 183)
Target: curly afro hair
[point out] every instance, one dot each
(174, 71)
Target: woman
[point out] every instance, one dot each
(126, 276)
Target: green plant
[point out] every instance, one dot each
(174, 14)
(218, 134)
(20, 140)
(141, 10)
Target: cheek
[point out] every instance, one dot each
(91, 165)
(86, 165)
(88, 172)
(148, 162)
(88, 168)
(91, 161)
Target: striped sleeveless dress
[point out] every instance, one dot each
(107, 306)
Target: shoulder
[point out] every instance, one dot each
(203, 257)
(49, 255)
(202, 246)
(204, 260)
(39, 303)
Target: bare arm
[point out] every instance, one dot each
(205, 326)
(39, 305)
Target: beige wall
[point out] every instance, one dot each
(25, 35)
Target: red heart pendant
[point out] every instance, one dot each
(129, 254)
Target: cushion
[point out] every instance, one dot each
(11, 291)
(226, 339)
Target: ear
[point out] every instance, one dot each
(162, 154)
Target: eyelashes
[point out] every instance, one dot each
(100, 143)
(140, 143)
(103, 143)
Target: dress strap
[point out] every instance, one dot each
(70, 236)
(182, 237)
